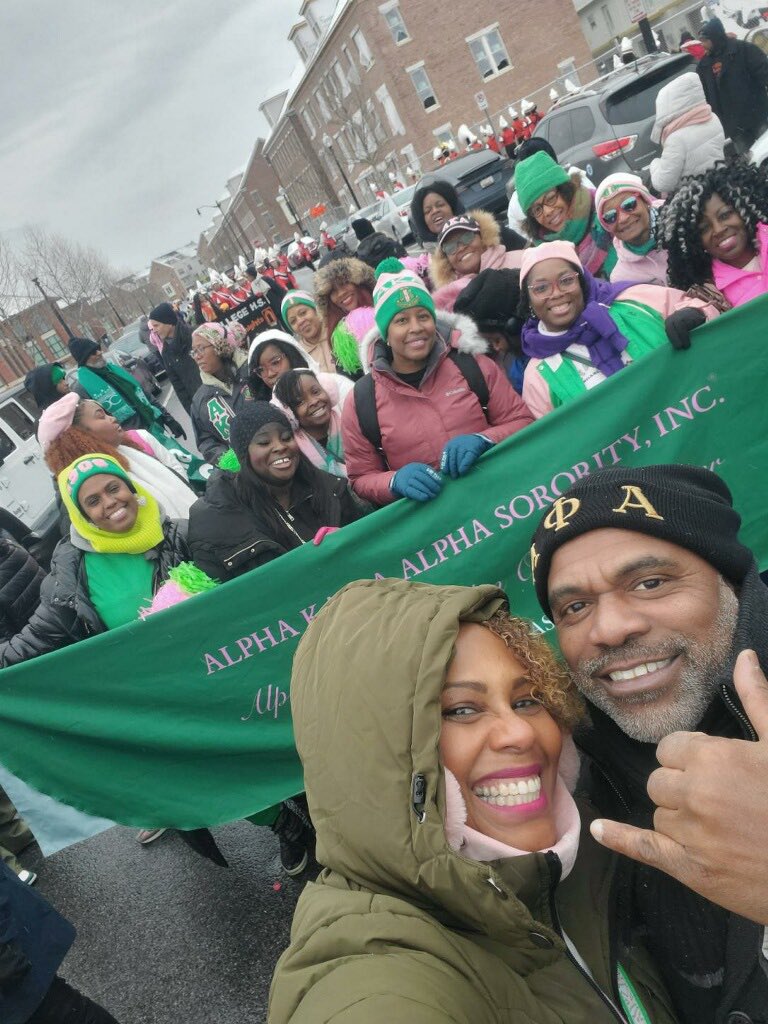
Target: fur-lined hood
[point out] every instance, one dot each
(457, 330)
(333, 275)
(440, 269)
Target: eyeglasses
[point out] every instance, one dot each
(197, 351)
(545, 288)
(273, 365)
(628, 205)
(457, 240)
(547, 201)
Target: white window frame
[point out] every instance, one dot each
(169, 290)
(414, 69)
(390, 110)
(341, 77)
(481, 37)
(385, 9)
(55, 344)
(363, 52)
(309, 124)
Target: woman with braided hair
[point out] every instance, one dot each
(715, 228)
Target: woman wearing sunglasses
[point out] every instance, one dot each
(466, 245)
(581, 330)
(629, 212)
(558, 207)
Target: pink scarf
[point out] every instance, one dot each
(741, 285)
(699, 114)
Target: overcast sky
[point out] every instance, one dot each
(120, 117)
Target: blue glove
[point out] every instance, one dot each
(462, 452)
(416, 481)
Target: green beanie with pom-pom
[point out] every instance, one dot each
(396, 289)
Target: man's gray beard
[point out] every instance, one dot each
(702, 669)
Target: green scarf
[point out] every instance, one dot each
(118, 393)
(146, 532)
(577, 225)
(652, 243)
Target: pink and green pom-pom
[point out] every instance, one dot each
(229, 461)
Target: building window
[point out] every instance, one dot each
(608, 19)
(311, 20)
(423, 86)
(55, 344)
(395, 123)
(395, 23)
(308, 124)
(169, 290)
(338, 70)
(489, 52)
(366, 60)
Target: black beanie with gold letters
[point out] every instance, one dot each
(684, 505)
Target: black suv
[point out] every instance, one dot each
(606, 126)
(480, 179)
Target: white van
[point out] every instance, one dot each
(26, 484)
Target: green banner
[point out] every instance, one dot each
(184, 719)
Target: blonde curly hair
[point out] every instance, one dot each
(551, 684)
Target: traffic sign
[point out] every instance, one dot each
(481, 100)
(636, 10)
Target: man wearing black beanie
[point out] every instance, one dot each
(661, 616)
(173, 340)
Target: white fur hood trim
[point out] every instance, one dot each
(469, 338)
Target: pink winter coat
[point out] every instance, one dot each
(739, 286)
(416, 423)
(648, 269)
(495, 257)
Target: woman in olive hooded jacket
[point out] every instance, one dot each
(406, 923)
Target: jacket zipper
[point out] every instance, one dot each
(738, 714)
(553, 863)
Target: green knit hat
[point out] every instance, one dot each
(535, 176)
(75, 475)
(396, 289)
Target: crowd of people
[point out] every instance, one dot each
(473, 867)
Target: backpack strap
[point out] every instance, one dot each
(364, 394)
(365, 397)
(470, 370)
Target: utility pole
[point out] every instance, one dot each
(54, 308)
(109, 303)
(237, 241)
(328, 143)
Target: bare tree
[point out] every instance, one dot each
(352, 113)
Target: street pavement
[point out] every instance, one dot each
(166, 937)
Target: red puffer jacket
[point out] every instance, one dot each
(416, 423)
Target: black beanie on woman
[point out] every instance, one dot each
(251, 418)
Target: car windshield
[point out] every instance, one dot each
(404, 196)
(129, 343)
(368, 211)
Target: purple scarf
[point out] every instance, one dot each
(593, 328)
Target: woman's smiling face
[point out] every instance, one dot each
(499, 742)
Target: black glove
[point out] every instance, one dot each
(13, 965)
(680, 324)
(174, 426)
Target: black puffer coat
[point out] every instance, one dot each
(66, 614)
(20, 579)
(227, 537)
(180, 366)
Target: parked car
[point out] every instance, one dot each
(480, 180)
(139, 359)
(294, 258)
(26, 484)
(371, 213)
(393, 219)
(606, 126)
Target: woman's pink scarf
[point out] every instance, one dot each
(699, 114)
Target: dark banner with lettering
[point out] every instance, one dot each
(255, 315)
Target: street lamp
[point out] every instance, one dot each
(284, 197)
(53, 307)
(328, 143)
(232, 237)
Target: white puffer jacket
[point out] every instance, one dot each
(692, 148)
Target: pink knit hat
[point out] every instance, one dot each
(56, 419)
(548, 251)
(621, 184)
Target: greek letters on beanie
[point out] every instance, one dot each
(164, 314)
(82, 349)
(535, 176)
(396, 289)
(251, 418)
(684, 505)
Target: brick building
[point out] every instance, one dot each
(249, 215)
(28, 339)
(384, 82)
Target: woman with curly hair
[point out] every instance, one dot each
(72, 427)
(434, 731)
(715, 228)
